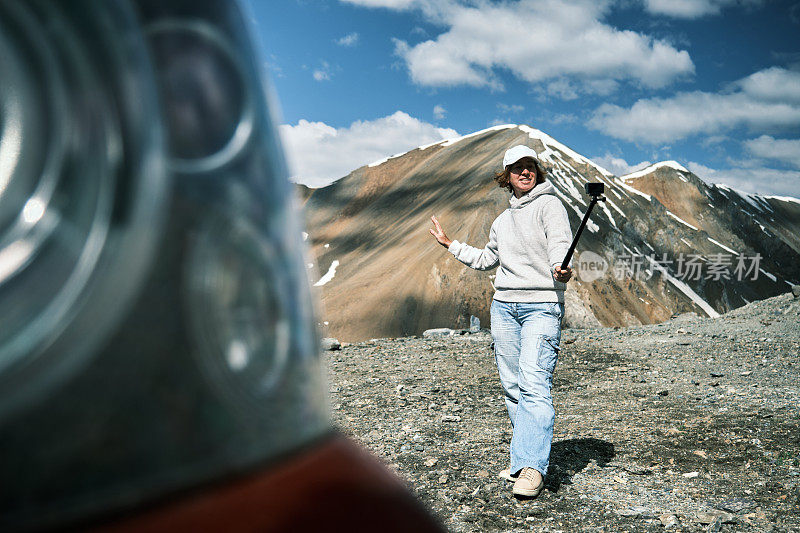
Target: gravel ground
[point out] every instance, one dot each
(689, 425)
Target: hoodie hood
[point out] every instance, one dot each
(540, 189)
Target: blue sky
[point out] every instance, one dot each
(712, 84)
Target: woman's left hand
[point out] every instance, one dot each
(562, 275)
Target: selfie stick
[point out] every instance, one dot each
(595, 190)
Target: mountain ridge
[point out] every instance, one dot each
(393, 280)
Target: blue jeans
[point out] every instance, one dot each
(526, 343)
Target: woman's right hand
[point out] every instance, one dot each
(438, 233)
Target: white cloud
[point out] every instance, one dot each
(319, 154)
(351, 39)
(538, 41)
(766, 147)
(391, 4)
(562, 118)
(690, 9)
(439, 112)
(617, 165)
(323, 73)
(434, 9)
(567, 89)
(766, 100)
(435, 68)
(773, 84)
(513, 108)
(563, 89)
(758, 180)
(701, 171)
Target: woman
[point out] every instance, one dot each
(527, 242)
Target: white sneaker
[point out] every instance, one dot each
(529, 483)
(506, 474)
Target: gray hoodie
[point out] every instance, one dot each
(527, 241)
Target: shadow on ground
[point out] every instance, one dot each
(568, 457)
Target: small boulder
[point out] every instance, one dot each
(669, 520)
(438, 332)
(737, 505)
(796, 291)
(714, 515)
(636, 512)
(330, 344)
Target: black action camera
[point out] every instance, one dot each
(595, 189)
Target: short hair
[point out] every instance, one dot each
(503, 178)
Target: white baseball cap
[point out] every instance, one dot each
(516, 153)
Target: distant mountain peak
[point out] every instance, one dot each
(550, 143)
(547, 154)
(652, 168)
(755, 200)
(444, 142)
(790, 199)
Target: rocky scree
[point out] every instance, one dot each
(688, 425)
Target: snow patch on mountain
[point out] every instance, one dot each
(384, 160)
(549, 142)
(434, 143)
(444, 142)
(757, 201)
(750, 200)
(328, 275)
(591, 226)
(770, 276)
(645, 171)
(685, 289)
(679, 219)
(618, 195)
(784, 198)
(630, 189)
(723, 246)
(567, 183)
(449, 142)
(615, 206)
(608, 214)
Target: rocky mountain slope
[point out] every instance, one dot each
(663, 243)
